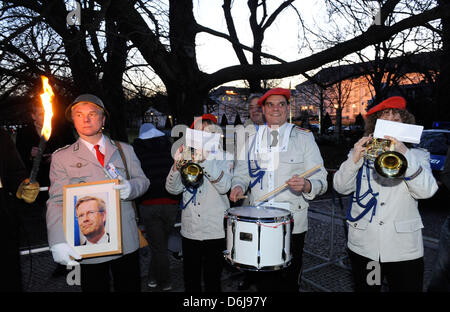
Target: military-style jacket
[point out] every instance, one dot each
(75, 164)
(265, 168)
(204, 211)
(392, 230)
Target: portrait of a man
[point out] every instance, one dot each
(92, 218)
(91, 213)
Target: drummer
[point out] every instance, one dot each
(278, 153)
(202, 216)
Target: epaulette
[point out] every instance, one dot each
(301, 129)
(422, 149)
(61, 148)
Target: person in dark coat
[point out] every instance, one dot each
(158, 208)
(27, 142)
(12, 175)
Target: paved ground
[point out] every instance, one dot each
(320, 273)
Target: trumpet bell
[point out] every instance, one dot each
(388, 164)
(191, 175)
(391, 164)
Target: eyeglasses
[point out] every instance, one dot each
(273, 105)
(89, 214)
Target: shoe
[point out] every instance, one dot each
(152, 284)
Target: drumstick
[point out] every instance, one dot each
(241, 197)
(285, 185)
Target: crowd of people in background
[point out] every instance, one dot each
(385, 225)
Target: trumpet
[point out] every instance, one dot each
(387, 163)
(191, 172)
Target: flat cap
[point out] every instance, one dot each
(275, 91)
(392, 102)
(205, 117)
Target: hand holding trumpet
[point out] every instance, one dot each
(361, 148)
(397, 145)
(184, 155)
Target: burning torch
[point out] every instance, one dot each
(29, 188)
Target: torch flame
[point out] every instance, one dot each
(46, 99)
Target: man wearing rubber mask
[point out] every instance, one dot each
(279, 153)
(83, 162)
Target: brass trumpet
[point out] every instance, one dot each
(387, 163)
(191, 172)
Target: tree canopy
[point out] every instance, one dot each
(159, 38)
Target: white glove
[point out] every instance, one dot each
(62, 252)
(124, 188)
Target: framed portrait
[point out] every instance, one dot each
(92, 220)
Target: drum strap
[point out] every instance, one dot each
(257, 173)
(192, 191)
(356, 197)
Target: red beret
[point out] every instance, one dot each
(392, 102)
(205, 117)
(276, 91)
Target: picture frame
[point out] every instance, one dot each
(92, 218)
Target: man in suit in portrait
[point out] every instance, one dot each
(91, 213)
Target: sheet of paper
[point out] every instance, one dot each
(401, 131)
(202, 140)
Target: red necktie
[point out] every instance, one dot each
(100, 156)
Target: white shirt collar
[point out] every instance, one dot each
(91, 148)
(103, 240)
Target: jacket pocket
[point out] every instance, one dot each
(80, 172)
(293, 158)
(409, 236)
(357, 232)
(408, 226)
(360, 224)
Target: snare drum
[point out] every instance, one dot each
(259, 238)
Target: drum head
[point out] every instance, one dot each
(258, 212)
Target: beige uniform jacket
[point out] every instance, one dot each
(395, 231)
(203, 216)
(75, 164)
(301, 155)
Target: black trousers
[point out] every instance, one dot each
(124, 273)
(159, 221)
(284, 280)
(203, 258)
(402, 276)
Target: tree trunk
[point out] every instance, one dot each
(186, 103)
(321, 110)
(113, 95)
